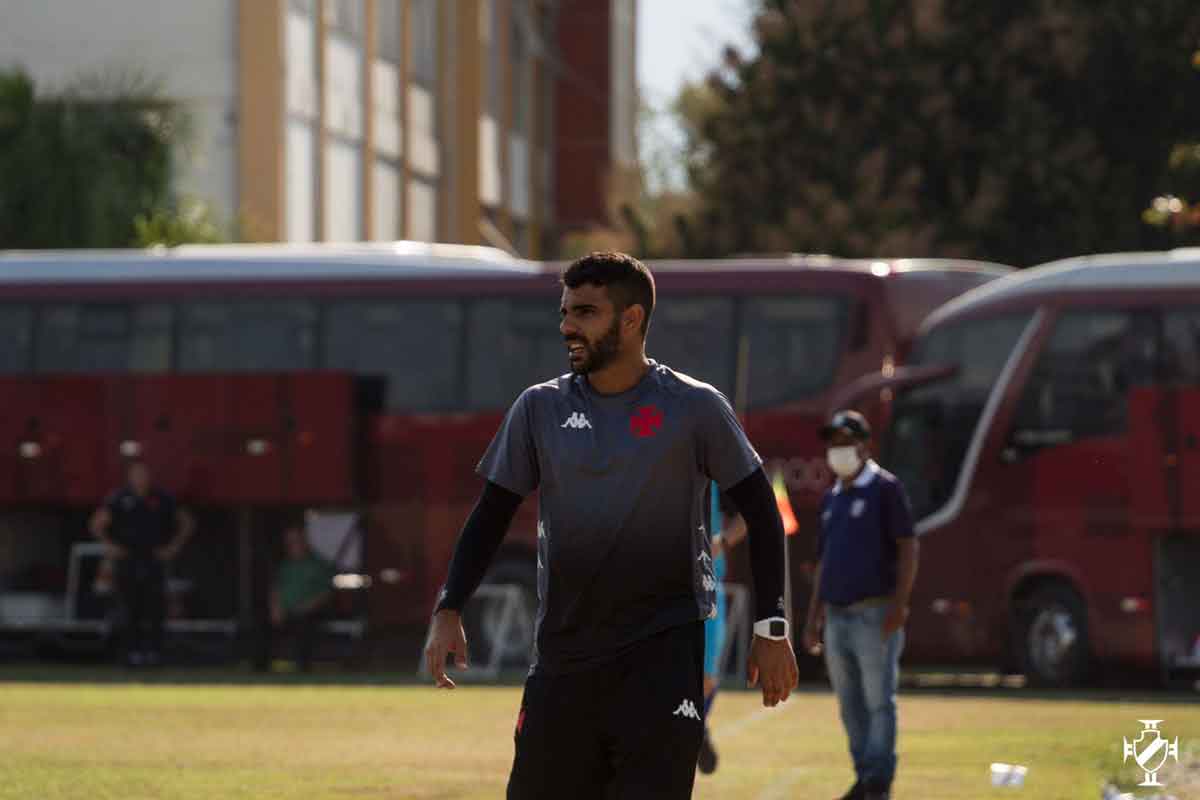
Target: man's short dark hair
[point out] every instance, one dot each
(628, 281)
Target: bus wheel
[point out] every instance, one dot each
(1054, 637)
(495, 629)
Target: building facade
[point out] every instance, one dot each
(472, 121)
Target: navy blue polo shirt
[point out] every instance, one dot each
(860, 524)
(141, 524)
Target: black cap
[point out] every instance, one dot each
(848, 421)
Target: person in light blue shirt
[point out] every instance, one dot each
(728, 530)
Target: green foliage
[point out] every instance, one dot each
(1018, 132)
(78, 168)
(191, 223)
(1172, 212)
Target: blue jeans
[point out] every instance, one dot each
(864, 670)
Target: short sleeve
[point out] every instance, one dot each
(725, 454)
(898, 510)
(511, 458)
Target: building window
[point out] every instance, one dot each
(424, 42)
(422, 210)
(386, 190)
(301, 181)
(389, 31)
(344, 17)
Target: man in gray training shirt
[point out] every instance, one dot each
(620, 450)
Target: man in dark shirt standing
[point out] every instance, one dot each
(866, 565)
(143, 530)
(621, 450)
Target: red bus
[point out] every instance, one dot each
(259, 380)
(1046, 427)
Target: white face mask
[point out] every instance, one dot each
(844, 461)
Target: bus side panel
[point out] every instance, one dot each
(70, 422)
(1082, 516)
(319, 439)
(198, 408)
(395, 522)
(19, 397)
(422, 485)
(146, 412)
(1188, 416)
(254, 447)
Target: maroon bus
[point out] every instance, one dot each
(1046, 427)
(367, 380)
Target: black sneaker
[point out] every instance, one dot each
(707, 762)
(856, 792)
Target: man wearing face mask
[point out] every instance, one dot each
(866, 564)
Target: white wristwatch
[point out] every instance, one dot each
(773, 628)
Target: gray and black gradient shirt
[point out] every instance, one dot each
(623, 551)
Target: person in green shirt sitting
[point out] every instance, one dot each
(300, 594)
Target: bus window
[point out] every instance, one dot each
(513, 345)
(695, 335)
(16, 336)
(104, 338)
(415, 345)
(269, 335)
(1081, 380)
(932, 424)
(795, 343)
(1181, 337)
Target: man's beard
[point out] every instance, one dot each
(599, 355)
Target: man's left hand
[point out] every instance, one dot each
(773, 666)
(897, 615)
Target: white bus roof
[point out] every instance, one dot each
(1172, 269)
(266, 262)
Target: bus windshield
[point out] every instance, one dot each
(932, 424)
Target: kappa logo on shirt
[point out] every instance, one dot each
(577, 420)
(858, 507)
(687, 709)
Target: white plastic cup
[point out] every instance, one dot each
(1012, 775)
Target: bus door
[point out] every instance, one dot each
(1178, 552)
(1083, 438)
(924, 445)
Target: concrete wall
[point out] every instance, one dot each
(189, 47)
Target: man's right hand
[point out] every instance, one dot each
(115, 550)
(812, 636)
(446, 636)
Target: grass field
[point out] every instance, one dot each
(175, 737)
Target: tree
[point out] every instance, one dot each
(1018, 131)
(1173, 212)
(78, 168)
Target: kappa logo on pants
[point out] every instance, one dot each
(687, 709)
